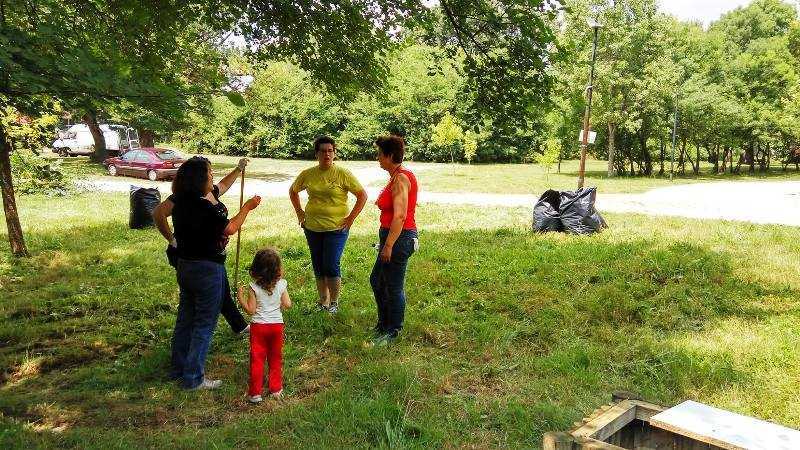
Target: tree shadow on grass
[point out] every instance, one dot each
(530, 331)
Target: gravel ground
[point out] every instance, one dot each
(756, 202)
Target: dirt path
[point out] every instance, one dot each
(756, 202)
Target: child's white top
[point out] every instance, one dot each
(268, 307)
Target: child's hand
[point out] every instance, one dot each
(240, 294)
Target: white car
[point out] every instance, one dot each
(77, 139)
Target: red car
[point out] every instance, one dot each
(151, 163)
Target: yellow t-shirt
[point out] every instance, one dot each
(327, 196)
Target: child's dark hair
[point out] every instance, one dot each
(266, 269)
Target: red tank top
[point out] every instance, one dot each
(386, 205)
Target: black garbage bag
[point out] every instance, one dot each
(545, 214)
(578, 213)
(143, 203)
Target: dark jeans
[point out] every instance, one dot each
(229, 309)
(326, 249)
(201, 291)
(388, 281)
(230, 312)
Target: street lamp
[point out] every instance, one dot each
(595, 25)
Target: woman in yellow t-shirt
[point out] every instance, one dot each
(326, 221)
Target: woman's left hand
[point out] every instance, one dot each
(348, 223)
(242, 163)
(386, 253)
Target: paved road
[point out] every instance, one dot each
(756, 202)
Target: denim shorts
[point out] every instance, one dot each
(326, 249)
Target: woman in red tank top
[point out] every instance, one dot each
(398, 239)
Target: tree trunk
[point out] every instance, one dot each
(681, 159)
(696, 167)
(100, 151)
(768, 157)
(147, 138)
(752, 154)
(647, 170)
(716, 157)
(689, 158)
(612, 130)
(661, 157)
(9, 202)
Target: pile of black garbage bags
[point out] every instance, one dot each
(568, 212)
(143, 203)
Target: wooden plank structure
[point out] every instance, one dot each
(629, 423)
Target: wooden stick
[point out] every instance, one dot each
(238, 239)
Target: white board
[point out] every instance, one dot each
(592, 137)
(725, 429)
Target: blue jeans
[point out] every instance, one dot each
(388, 281)
(326, 249)
(201, 289)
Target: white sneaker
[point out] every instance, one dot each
(254, 399)
(277, 395)
(207, 385)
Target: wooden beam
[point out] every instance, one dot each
(594, 444)
(558, 441)
(609, 422)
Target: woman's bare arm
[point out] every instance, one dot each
(400, 190)
(238, 220)
(160, 215)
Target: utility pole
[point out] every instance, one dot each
(585, 139)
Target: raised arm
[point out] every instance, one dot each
(237, 221)
(160, 215)
(226, 183)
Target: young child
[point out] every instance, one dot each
(266, 298)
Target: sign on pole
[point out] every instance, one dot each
(592, 137)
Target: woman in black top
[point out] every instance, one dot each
(201, 232)
(229, 310)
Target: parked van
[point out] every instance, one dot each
(77, 140)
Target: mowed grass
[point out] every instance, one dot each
(508, 334)
(535, 179)
(479, 178)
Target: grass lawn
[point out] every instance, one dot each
(534, 179)
(508, 334)
(481, 178)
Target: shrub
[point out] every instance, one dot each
(33, 174)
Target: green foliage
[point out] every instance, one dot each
(735, 83)
(549, 156)
(470, 146)
(34, 174)
(447, 135)
(286, 109)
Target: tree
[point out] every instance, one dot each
(53, 50)
(56, 52)
(549, 156)
(470, 146)
(447, 134)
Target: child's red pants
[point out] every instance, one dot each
(266, 342)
